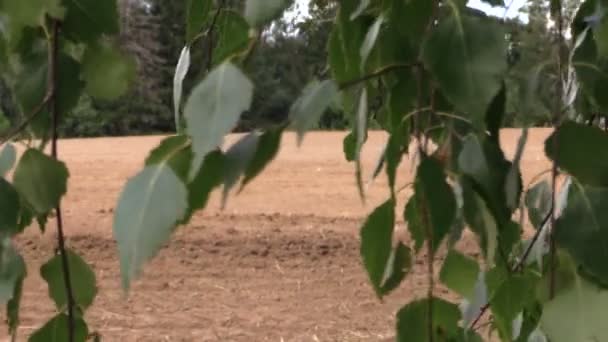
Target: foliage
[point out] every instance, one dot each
(426, 71)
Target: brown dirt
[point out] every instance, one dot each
(280, 263)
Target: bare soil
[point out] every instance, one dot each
(281, 263)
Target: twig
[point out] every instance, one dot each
(53, 81)
(28, 118)
(556, 122)
(377, 73)
(210, 34)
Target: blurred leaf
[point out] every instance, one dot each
(582, 228)
(13, 306)
(577, 314)
(88, 20)
(237, 158)
(148, 209)
(108, 72)
(56, 330)
(267, 149)
(377, 243)
(9, 208)
(411, 215)
(412, 321)
(583, 152)
(538, 202)
(82, 279)
(345, 41)
(181, 70)
(467, 58)
(214, 108)
(459, 273)
(361, 129)
(260, 12)
(363, 5)
(481, 222)
(175, 152)
(472, 305)
(196, 17)
(41, 180)
(308, 108)
(233, 37)
(12, 271)
(8, 156)
(31, 13)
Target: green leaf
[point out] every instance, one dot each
(56, 330)
(9, 208)
(196, 17)
(435, 200)
(513, 181)
(237, 159)
(577, 314)
(467, 57)
(349, 146)
(233, 36)
(208, 176)
(30, 89)
(582, 228)
(82, 279)
(538, 202)
(496, 114)
(260, 12)
(412, 321)
(510, 299)
(397, 267)
(107, 71)
(175, 152)
(214, 108)
(370, 40)
(8, 156)
(183, 64)
(41, 180)
(411, 215)
(583, 152)
(88, 20)
(13, 306)
(12, 270)
(377, 243)
(345, 41)
(267, 149)
(481, 221)
(148, 209)
(363, 5)
(459, 273)
(308, 108)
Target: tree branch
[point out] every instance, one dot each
(28, 118)
(375, 74)
(53, 81)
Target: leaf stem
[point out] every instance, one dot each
(53, 81)
(28, 118)
(377, 73)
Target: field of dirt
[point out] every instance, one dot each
(280, 263)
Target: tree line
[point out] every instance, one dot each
(288, 55)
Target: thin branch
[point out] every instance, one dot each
(28, 118)
(209, 33)
(377, 73)
(454, 116)
(53, 81)
(556, 123)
